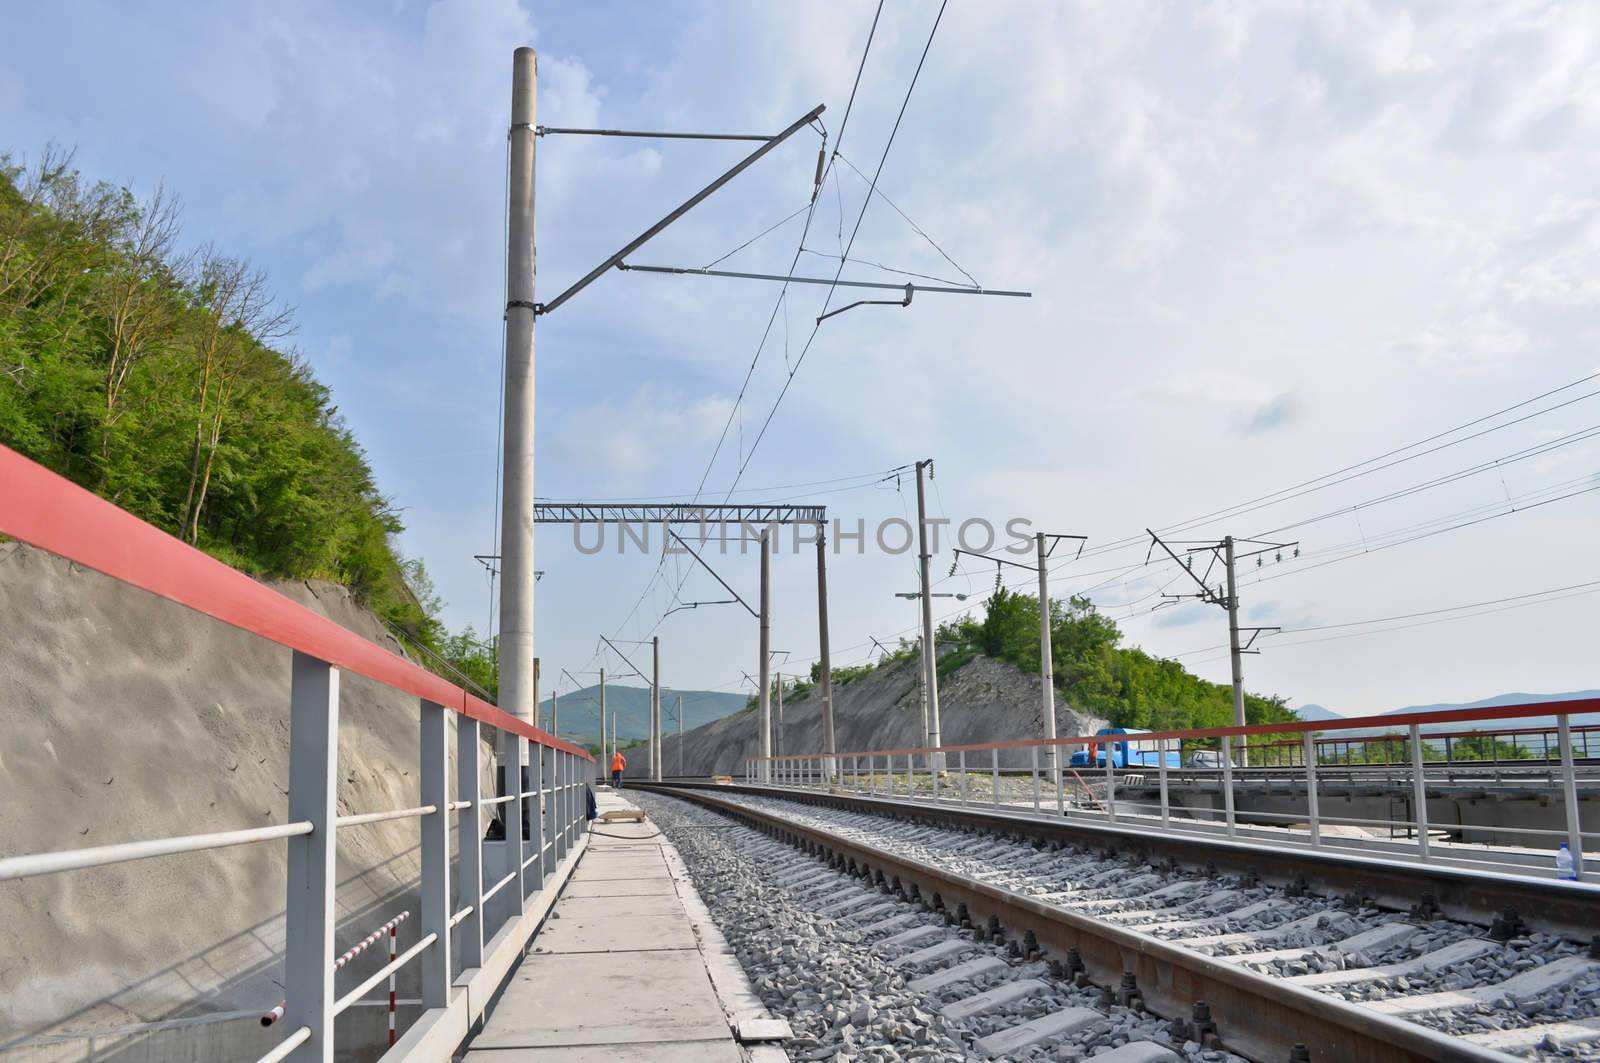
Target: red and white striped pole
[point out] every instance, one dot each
(394, 931)
(391, 928)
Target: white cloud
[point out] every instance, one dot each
(1356, 222)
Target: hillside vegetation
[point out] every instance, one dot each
(1093, 672)
(162, 379)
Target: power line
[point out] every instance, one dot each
(848, 107)
(828, 299)
(811, 212)
(758, 236)
(908, 221)
(1262, 501)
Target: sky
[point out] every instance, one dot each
(1265, 241)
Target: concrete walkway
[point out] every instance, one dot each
(628, 968)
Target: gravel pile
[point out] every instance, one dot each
(1231, 918)
(820, 948)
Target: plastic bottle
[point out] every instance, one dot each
(1565, 868)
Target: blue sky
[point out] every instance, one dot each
(1266, 241)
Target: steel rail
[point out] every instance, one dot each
(27, 866)
(1468, 895)
(1258, 1016)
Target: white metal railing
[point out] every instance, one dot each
(1142, 781)
(47, 511)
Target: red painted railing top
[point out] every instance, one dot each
(1571, 707)
(54, 514)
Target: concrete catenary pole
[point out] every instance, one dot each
(782, 746)
(680, 736)
(655, 710)
(516, 514)
(555, 713)
(825, 665)
(538, 718)
(930, 666)
(605, 752)
(1233, 646)
(1046, 663)
(765, 694)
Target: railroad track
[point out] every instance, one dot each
(1284, 974)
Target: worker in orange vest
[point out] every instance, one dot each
(618, 762)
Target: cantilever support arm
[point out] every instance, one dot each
(713, 572)
(624, 657)
(688, 204)
(870, 302)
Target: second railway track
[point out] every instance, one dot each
(1283, 974)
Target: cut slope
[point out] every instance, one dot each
(130, 717)
(983, 701)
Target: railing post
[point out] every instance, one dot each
(1060, 774)
(1419, 792)
(1033, 755)
(580, 801)
(469, 842)
(1111, 781)
(511, 745)
(312, 872)
(1227, 783)
(1311, 790)
(1569, 792)
(1161, 771)
(536, 785)
(549, 799)
(434, 963)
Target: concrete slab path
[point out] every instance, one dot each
(628, 967)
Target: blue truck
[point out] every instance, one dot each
(1129, 753)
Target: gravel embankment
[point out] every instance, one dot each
(819, 946)
(1250, 923)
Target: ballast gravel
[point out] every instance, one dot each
(1231, 918)
(836, 981)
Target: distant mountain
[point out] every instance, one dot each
(1318, 712)
(580, 710)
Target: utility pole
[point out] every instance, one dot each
(781, 744)
(765, 694)
(517, 683)
(655, 710)
(930, 668)
(555, 712)
(605, 754)
(1046, 655)
(680, 736)
(1226, 552)
(1047, 666)
(537, 718)
(826, 663)
(1234, 654)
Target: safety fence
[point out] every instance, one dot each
(542, 817)
(1192, 781)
